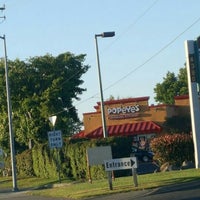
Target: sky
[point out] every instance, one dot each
(149, 40)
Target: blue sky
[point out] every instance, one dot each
(149, 39)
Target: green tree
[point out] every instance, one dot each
(41, 87)
(178, 124)
(171, 86)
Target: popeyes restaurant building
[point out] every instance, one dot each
(132, 117)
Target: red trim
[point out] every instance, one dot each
(122, 130)
(91, 113)
(127, 129)
(81, 134)
(182, 97)
(129, 100)
(161, 105)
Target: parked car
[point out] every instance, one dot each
(142, 155)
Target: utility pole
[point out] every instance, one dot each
(12, 148)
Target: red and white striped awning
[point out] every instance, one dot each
(128, 129)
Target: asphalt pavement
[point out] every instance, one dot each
(22, 195)
(184, 191)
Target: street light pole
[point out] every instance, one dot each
(12, 146)
(104, 34)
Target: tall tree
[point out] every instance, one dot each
(41, 87)
(171, 86)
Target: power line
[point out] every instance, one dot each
(2, 17)
(147, 61)
(125, 31)
(133, 24)
(154, 55)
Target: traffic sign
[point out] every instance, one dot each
(52, 119)
(1, 152)
(120, 164)
(55, 139)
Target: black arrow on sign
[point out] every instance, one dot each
(132, 162)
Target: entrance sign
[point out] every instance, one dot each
(55, 139)
(120, 164)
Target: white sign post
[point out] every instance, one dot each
(55, 141)
(122, 164)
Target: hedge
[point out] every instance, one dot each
(173, 148)
(42, 161)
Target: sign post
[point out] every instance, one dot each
(121, 164)
(2, 165)
(55, 141)
(96, 156)
(193, 67)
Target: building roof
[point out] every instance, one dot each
(81, 134)
(122, 101)
(128, 129)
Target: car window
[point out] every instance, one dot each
(134, 149)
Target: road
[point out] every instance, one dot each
(186, 191)
(24, 196)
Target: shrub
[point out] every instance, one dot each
(75, 151)
(42, 161)
(25, 164)
(173, 148)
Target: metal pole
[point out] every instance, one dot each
(101, 92)
(58, 160)
(191, 63)
(12, 147)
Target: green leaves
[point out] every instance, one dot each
(171, 86)
(40, 87)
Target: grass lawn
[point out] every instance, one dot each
(80, 190)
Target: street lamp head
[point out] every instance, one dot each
(106, 34)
